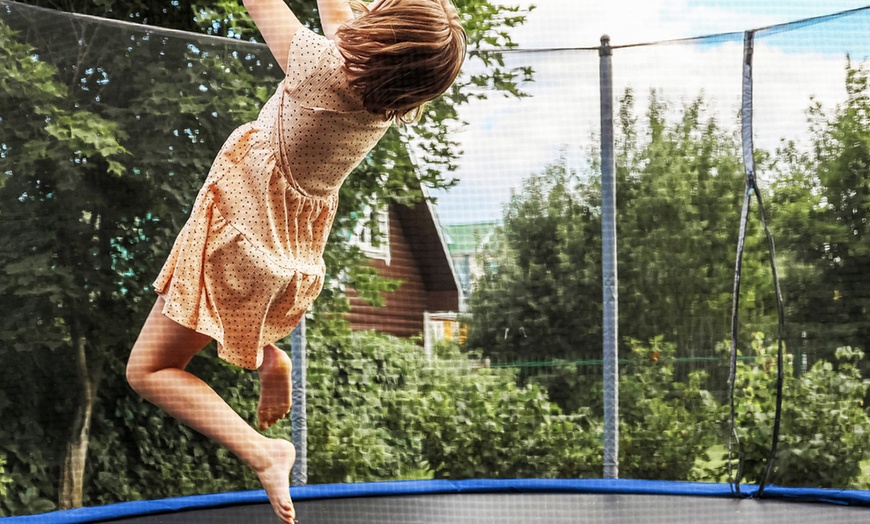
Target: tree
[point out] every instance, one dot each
(679, 202)
(95, 189)
(89, 218)
(679, 190)
(539, 296)
(822, 208)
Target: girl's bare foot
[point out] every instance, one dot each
(275, 387)
(275, 477)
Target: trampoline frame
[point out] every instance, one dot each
(445, 487)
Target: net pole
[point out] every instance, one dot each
(298, 418)
(608, 264)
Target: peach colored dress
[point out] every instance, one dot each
(248, 263)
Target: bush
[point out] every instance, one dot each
(5, 480)
(825, 430)
(363, 398)
(379, 409)
(32, 411)
(138, 451)
(664, 425)
(482, 424)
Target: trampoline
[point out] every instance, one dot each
(592, 501)
(57, 37)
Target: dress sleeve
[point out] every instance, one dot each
(310, 55)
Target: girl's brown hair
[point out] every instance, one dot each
(401, 54)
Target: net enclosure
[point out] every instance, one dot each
(638, 260)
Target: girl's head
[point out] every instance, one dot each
(401, 54)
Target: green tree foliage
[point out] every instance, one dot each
(87, 220)
(539, 296)
(822, 210)
(47, 278)
(679, 198)
(680, 186)
(92, 194)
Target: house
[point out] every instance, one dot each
(464, 241)
(415, 253)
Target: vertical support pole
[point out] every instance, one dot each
(608, 264)
(427, 335)
(298, 420)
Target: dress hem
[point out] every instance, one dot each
(213, 334)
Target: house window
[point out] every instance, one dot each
(372, 234)
(440, 326)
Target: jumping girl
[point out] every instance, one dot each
(248, 262)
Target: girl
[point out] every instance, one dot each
(248, 263)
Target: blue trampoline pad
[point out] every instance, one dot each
(494, 501)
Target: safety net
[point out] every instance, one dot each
(459, 341)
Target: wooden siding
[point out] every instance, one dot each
(420, 264)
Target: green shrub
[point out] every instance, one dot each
(664, 425)
(29, 434)
(5, 480)
(363, 398)
(379, 409)
(481, 424)
(137, 451)
(825, 429)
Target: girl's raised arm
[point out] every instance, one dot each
(333, 13)
(277, 24)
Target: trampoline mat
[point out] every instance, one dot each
(527, 508)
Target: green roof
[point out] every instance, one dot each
(467, 238)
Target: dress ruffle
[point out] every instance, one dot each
(220, 283)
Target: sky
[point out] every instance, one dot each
(507, 140)
(555, 23)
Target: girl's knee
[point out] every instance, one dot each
(162, 344)
(136, 372)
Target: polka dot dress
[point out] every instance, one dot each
(249, 261)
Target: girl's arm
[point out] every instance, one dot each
(333, 13)
(277, 24)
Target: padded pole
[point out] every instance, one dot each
(608, 264)
(735, 478)
(298, 419)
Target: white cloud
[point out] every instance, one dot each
(560, 23)
(509, 139)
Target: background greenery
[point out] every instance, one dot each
(115, 129)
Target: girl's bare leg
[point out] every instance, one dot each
(156, 371)
(275, 386)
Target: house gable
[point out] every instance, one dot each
(418, 259)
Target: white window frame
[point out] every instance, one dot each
(362, 235)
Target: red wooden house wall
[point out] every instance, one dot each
(419, 258)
